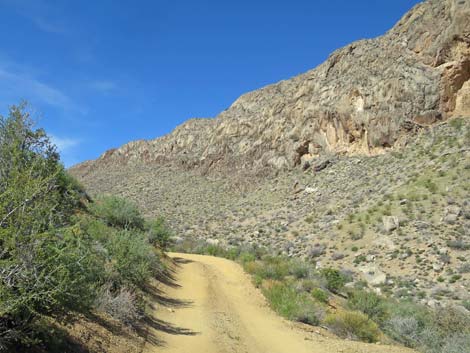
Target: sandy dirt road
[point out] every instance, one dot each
(212, 307)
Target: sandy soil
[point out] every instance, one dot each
(214, 308)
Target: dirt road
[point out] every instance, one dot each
(214, 308)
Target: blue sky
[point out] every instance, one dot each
(100, 73)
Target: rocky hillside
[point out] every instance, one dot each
(362, 163)
(399, 221)
(361, 100)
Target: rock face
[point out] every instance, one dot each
(361, 100)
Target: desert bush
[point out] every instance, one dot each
(122, 304)
(466, 304)
(418, 327)
(335, 280)
(457, 343)
(353, 325)
(458, 244)
(308, 284)
(404, 329)
(320, 295)
(273, 267)
(246, 257)
(316, 251)
(158, 233)
(465, 268)
(133, 259)
(457, 123)
(368, 303)
(287, 302)
(118, 212)
(450, 319)
(299, 269)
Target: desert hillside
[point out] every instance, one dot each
(361, 163)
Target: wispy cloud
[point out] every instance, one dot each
(41, 13)
(64, 144)
(16, 84)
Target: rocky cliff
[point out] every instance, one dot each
(361, 100)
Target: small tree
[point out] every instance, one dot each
(47, 267)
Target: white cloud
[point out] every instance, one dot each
(64, 144)
(15, 85)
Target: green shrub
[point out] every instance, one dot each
(466, 304)
(273, 267)
(118, 212)
(457, 123)
(214, 250)
(320, 295)
(246, 257)
(335, 280)
(133, 259)
(299, 269)
(450, 320)
(368, 303)
(232, 253)
(287, 302)
(353, 325)
(158, 233)
(411, 324)
(457, 343)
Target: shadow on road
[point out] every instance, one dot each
(167, 277)
(153, 326)
(156, 297)
(181, 261)
(168, 327)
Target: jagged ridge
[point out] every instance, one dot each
(361, 100)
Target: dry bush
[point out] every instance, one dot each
(122, 305)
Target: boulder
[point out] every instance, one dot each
(390, 223)
(373, 275)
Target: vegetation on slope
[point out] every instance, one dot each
(327, 297)
(334, 216)
(60, 253)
